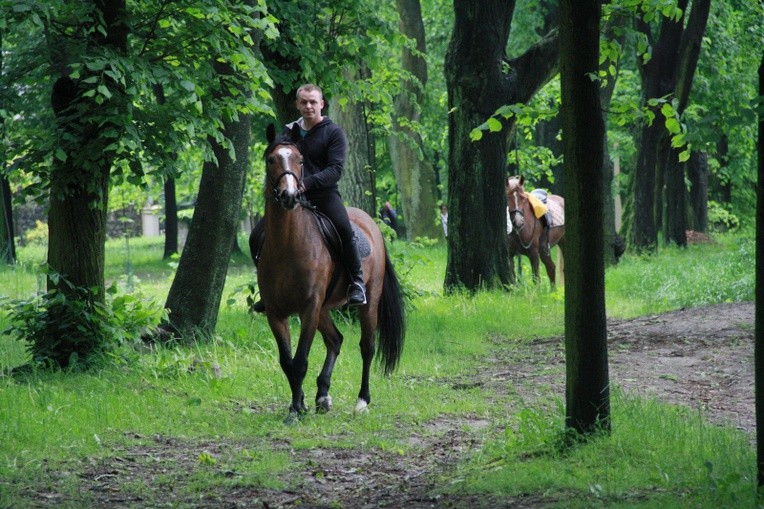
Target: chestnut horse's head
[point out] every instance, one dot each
(516, 201)
(283, 167)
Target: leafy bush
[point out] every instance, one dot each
(74, 328)
(720, 218)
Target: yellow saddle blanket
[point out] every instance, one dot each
(539, 209)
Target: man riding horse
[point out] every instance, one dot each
(324, 148)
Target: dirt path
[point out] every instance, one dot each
(698, 357)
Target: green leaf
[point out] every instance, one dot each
(493, 125)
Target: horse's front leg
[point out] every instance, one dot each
(333, 341)
(299, 367)
(550, 267)
(533, 256)
(280, 329)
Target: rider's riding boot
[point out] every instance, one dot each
(357, 289)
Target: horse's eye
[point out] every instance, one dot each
(270, 159)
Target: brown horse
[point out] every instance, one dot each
(524, 229)
(298, 275)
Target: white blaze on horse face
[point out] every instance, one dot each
(284, 155)
(517, 218)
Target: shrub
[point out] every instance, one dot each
(75, 327)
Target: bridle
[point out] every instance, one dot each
(517, 230)
(275, 195)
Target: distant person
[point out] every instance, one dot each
(444, 219)
(389, 216)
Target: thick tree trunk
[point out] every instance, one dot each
(358, 183)
(477, 86)
(697, 172)
(587, 390)
(670, 71)
(80, 184)
(195, 294)
(414, 171)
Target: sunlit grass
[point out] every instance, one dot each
(232, 388)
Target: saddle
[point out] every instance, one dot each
(329, 234)
(538, 199)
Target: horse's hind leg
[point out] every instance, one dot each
(368, 336)
(333, 341)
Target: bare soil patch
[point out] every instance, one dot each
(700, 357)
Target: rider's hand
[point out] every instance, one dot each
(301, 188)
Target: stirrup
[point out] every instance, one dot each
(356, 294)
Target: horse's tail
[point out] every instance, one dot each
(391, 319)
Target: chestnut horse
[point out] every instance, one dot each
(298, 275)
(524, 229)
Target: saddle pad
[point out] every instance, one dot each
(539, 209)
(558, 213)
(364, 247)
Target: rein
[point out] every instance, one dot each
(520, 229)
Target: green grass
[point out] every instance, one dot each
(657, 456)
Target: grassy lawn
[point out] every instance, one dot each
(235, 393)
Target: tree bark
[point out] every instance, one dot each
(358, 182)
(759, 319)
(478, 84)
(587, 389)
(80, 184)
(659, 178)
(195, 294)
(194, 298)
(7, 241)
(170, 202)
(697, 173)
(414, 172)
(170, 219)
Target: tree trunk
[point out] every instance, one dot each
(587, 391)
(170, 219)
(759, 319)
(7, 240)
(675, 201)
(697, 172)
(477, 86)
(358, 183)
(170, 202)
(669, 71)
(414, 172)
(80, 184)
(195, 294)
(613, 242)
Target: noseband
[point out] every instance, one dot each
(518, 230)
(274, 183)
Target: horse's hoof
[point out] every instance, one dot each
(323, 404)
(361, 407)
(292, 419)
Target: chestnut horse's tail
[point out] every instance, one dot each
(391, 320)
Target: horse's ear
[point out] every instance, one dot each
(294, 132)
(522, 180)
(270, 133)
